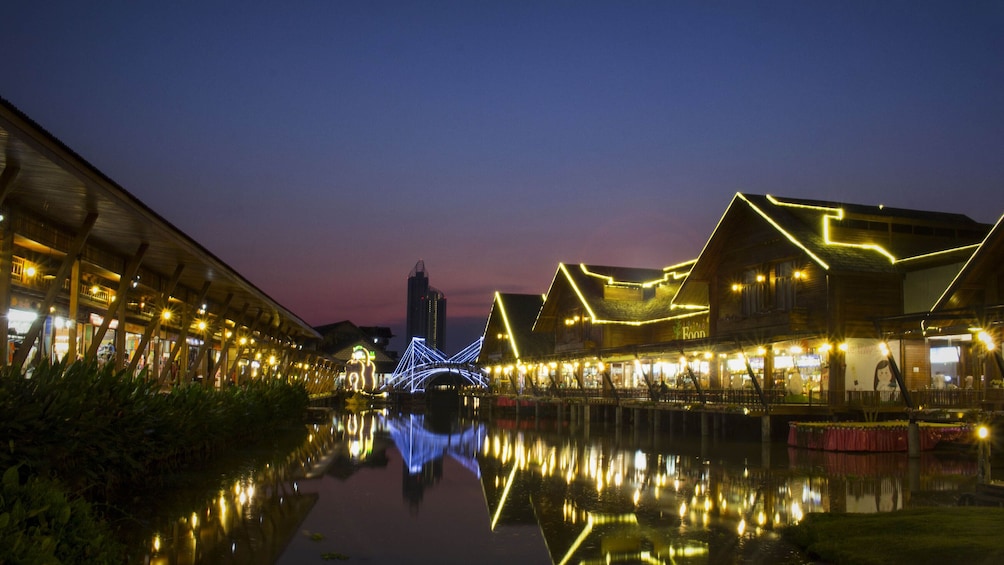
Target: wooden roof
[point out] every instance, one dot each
(816, 228)
(517, 313)
(969, 289)
(51, 182)
(624, 295)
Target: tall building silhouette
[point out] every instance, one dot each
(426, 309)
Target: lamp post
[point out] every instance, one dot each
(983, 458)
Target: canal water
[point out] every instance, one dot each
(382, 487)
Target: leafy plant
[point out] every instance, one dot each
(39, 524)
(99, 431)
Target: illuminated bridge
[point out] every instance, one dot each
(421, 366)
(419, 446)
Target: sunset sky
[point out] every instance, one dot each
(321, 149)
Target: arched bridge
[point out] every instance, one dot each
(420, 365)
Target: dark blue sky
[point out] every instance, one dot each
(323, 148)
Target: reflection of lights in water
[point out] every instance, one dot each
(796, 511)
(640, 460)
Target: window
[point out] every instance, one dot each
(754, 286)
(784, 285)
(772, 288)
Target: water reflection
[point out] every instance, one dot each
(401, 488)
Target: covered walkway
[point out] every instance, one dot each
(88, 270)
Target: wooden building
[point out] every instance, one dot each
(511, 351)
(807, 301)
(614, 327)
(796, 289)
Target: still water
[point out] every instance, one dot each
(381, 487)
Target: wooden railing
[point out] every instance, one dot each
(956, 398)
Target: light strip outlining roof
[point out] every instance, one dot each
(784, 232)
(592, 315)
(508, 328)
(610, 280)
(838, 214)
(965, 267)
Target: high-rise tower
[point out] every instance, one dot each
(426, 309)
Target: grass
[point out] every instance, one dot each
(918, 536)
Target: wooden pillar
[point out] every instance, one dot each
(228, 340)
(114, 308)
(10, 171)
(74, 313)
(208, 333)
(6, 272)
(913, 439)
(154, 324)
(76, 246)
(244, 348)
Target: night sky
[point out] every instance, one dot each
(322, 148)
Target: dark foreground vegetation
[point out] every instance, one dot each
(74, 438)
(920, 536)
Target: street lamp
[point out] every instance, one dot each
(983, 459)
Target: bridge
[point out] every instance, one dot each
(421, 365)
(419, 446)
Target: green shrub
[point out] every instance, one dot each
(39, 524)
(97, 428)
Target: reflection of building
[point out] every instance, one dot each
(597, 503)
(426, 310)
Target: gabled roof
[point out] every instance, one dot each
(968, 288)
(619, 295)
(383, 361)
(517, 314)
(336, 336)
(811, 226)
